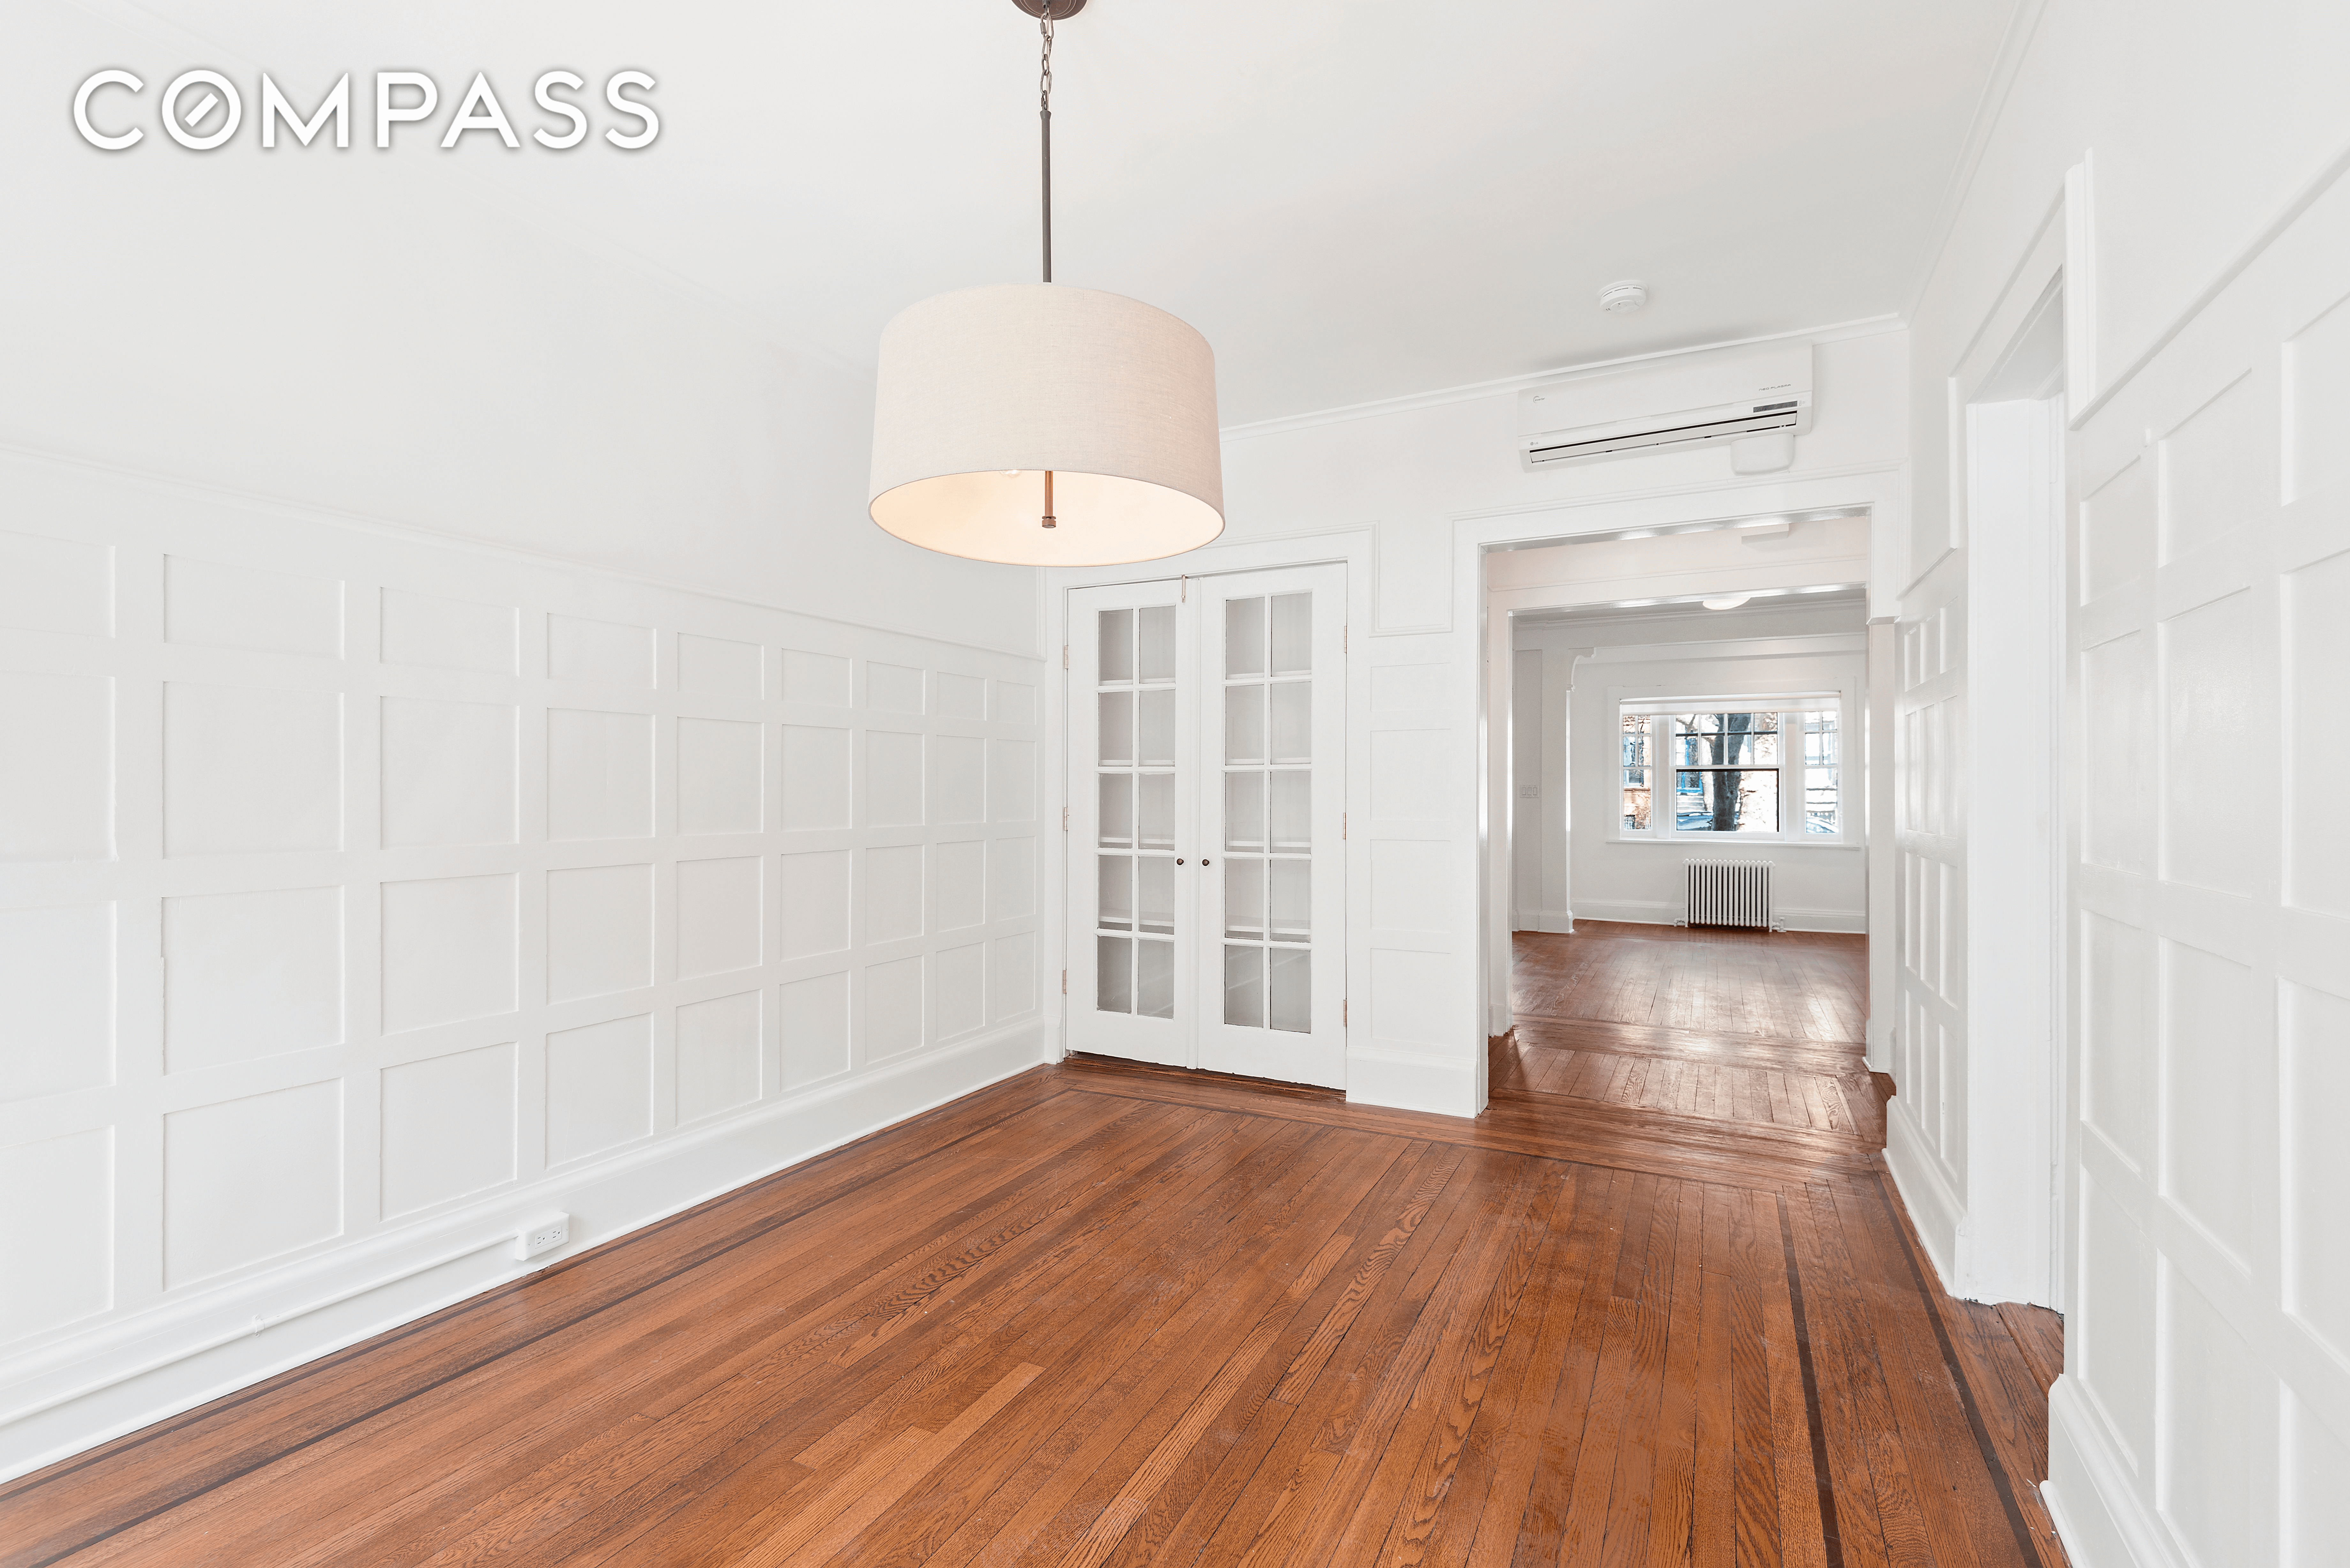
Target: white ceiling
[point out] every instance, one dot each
(1353, 200)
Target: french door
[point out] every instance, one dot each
(1207, 789)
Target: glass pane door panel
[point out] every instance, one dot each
(1114, 974)
(1244, 636)
(1244, 723)
(1291, 900)
(1245, 986)
(1154, 981)
(1293, 811)
(1117, 728)
(1117, 646)
(1244, 810)
(1117, 826)
(1292, 722)
(1117, 904)
(1292, 634)
(1154, 659)
(1156, 810)
(1291, 1005)
(1155, 875)
(1245, 896)
(1155, 727)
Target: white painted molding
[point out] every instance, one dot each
(57, 1401)
(2013, 45)
(2098, 1511)
(1933, 1207)
(1764, 501)
(1826, 643)
(1561, 921)
(1879, 1045)
(1403, 1078)
(2295, 205)
(311, 512)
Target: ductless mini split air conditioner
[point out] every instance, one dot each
(1713, 398)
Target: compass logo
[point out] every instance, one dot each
(202, 110)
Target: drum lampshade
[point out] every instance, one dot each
(982, 390)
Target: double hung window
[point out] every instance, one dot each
(1713, 771)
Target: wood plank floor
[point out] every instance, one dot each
(1106, 1315)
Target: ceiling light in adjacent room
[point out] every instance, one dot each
(1726, 603)
(1043, 425)
(1623, 297)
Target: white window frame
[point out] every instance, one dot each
(1790, 707)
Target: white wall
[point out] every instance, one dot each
(1429, 477)
(363, 896)
(2204, 1414)
(466, 749)
(419, 337)
(1818, 888)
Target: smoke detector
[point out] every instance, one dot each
(1623, 297)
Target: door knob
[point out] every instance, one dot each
(1179, 860)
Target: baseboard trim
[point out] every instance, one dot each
(2092, 1500)
(1663, 913)
(1934, 1209)
(1401, 1078)
(1560, 921)
(75, 1393)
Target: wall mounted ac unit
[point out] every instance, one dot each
(1720, 398)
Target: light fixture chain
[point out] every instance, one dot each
(1044, 121)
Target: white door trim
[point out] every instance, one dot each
(1353, 547)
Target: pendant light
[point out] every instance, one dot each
(1045, 425)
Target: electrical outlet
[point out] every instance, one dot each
(543, 1234)
(1529, 791)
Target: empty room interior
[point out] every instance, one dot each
(1118, 782)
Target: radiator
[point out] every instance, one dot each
(1728, 893)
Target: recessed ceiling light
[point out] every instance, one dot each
(1727, 602)
(1623, 297)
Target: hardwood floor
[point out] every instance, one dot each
(1664, 1313)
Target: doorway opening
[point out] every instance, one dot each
(1689, 841)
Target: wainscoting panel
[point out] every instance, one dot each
(2204, 1413)
(363, 896)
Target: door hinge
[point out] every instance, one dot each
(1065, 819)
(1342, 1013)
(1183, 589)
(1342, 826)
(1065, 983)
(1065, 656)
(1344, 633)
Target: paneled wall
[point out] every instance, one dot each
(1422, 480)
(1929, 1046)
(2204, 1416)
(361, 896)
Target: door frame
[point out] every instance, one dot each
(1356, 548)
(1881, 493)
